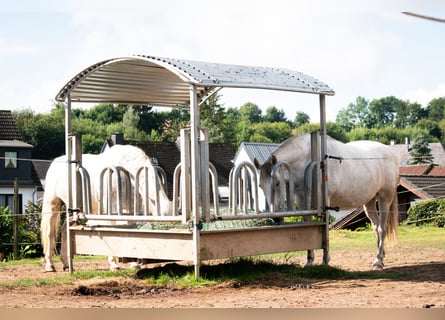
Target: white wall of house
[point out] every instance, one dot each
(28, 194)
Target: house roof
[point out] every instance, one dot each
(424, 186)
(415, 169)
(8, 127)
(160, 81)
(426, 181)
(345, 218)
(403, 153)
(14, 144)
(259, 150)
(168, 156)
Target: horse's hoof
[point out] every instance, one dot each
(114, 268)
(377, 266)
(135, 266)
(308, 264)
(50, 269)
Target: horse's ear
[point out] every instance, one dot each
(257, 164)
(273, 159)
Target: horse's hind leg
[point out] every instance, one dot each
(310, 258)
(310, 253)
(378, 221)
(49, 223)
(114, 263)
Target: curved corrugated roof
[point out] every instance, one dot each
(157, 81)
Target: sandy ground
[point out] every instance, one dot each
(423, 286)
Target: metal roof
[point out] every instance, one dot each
(157, 81)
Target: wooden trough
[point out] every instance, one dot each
(155, 81)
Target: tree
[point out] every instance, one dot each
(430, 126)
(93, 134)
(45, 132)
(436, 109)
(355, 115)
(382, 111)
(212, 117)
(250, 112)
(415, 113)
(106, 113)
(332, 129)
(275, 132)
(130, 124)
(274, 115)
(301, 118)
(421, 152)
(175, 120)
(149, 119)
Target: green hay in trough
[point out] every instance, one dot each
(208, 226)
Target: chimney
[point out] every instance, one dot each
(407, 144)
(117, 138)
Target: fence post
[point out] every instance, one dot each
(15, 220)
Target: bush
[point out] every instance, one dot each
(28, 234)
(430, 212)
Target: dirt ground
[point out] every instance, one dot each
(422, 287)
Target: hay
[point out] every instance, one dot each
(207, 226)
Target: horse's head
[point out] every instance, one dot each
(279, 182)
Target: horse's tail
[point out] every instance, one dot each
(393, 220)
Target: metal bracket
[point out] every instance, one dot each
(340, 159)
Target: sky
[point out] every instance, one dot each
(358, 48)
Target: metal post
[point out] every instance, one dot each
(77, 182)
(324, 179)
(185, 180)
(204, 165)
(195, 173)
(69, 203)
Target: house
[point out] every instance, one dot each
(167, 155)
(15, 165)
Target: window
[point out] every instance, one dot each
(7, 201)
(10, 159)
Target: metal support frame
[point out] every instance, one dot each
(195, 184)
(196, 176)
(69, 203)
(243, 184)
(324, 180)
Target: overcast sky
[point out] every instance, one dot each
(358, 48)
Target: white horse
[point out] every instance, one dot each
(359, 173)
(129, 157)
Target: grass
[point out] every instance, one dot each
(251, 269)
(64, 279)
